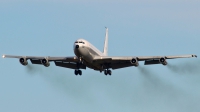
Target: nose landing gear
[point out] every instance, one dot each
(79, 64)
(107, 72)
(78, 72)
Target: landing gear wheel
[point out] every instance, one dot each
(76, 72)
(105, 72)
(79, 72)
(109, 72)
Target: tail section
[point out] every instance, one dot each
(105, 50)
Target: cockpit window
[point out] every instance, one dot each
(80, 42)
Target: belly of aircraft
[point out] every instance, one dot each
(84, 54)
(87, 57)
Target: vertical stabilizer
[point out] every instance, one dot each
(105, 50)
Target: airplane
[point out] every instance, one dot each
(88, 56)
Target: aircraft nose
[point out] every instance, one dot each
(77, 46)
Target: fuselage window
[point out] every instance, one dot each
(76, 42)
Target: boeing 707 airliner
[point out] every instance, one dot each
(86, 55)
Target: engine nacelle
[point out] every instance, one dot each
(163, 61)
(45, 62)
(23, 61)
(134, 61)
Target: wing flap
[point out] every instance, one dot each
(150, 62)
(66, 59)
(120, 65)
(69, 65)
(105, 60)
(33, 61)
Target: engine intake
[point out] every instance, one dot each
(134, 61)
(163, 61)
(23, 61)
(45, 62)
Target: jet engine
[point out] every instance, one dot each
(134, 61)
(163, 61)
(45, 62)
(23, 61)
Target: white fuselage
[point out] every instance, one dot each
(86, 51)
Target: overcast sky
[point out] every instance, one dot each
(136, 28)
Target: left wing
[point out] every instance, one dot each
(68, 62)
(121, 62)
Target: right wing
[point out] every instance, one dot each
(127, 61)
(67, 62)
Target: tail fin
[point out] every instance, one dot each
(105, 50)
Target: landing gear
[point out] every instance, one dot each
(79, 64)
(108, 72)
(78, 72)
(105, 72)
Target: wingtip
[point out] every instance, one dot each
(3, 56)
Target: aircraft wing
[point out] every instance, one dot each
(143, 58)
(72, 58)
(67, 62)
(127, 61)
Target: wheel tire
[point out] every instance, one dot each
(109, 72)
(76, 72)
(105, 72)
(79, 72)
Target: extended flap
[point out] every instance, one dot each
(69, 65)
(35, 61)
(150, 62)
(104, 60)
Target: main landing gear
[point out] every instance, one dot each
(78, 72)
(107, 72)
